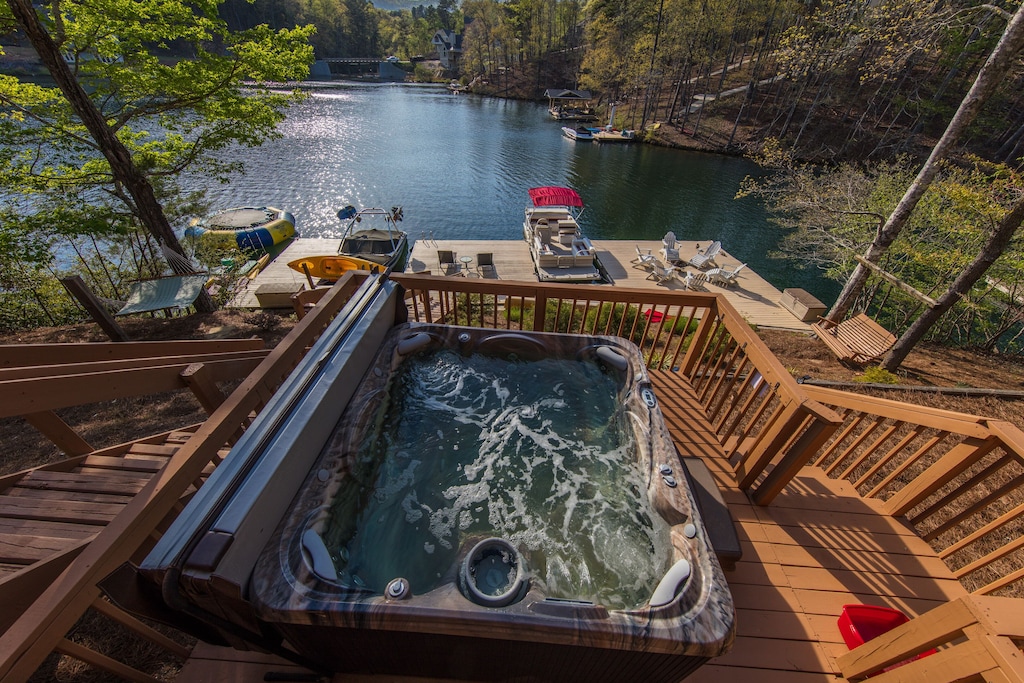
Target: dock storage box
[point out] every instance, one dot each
(276, 294)
(802, 304)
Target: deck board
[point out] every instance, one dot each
(817, 547)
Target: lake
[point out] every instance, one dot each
(460, 166)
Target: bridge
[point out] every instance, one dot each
(360, 68)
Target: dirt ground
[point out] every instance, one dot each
(803, 356)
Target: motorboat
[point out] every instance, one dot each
(558, 247)
(253, 228)
(370, 240)
(577, 133)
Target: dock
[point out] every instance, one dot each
(757, 300)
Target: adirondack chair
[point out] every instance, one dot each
(706, 257)
(645, 261)
(662, 274)
(723, 276)
(694, 280)
(669, 249)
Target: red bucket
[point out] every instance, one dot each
(860, 623)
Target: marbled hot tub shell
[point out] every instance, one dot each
(440, 632)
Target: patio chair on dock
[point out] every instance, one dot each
(706, 257)
(694, 280)
(644, 260)
(669, 249)
(485, 264)
(662, 274)
(446, 260)
(724, 276)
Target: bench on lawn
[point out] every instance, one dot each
(856, 341)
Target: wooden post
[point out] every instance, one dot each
(197, 377)
(77, 288)
(58, 431)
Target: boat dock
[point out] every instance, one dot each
(754, 297)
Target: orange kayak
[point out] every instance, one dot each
(331, 267)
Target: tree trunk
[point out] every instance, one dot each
(989, 77)
(995, 246)
(123, 168)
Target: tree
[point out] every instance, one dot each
(988, 79)
(130, 109)
(993, 248)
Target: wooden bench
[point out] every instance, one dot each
(856, 341)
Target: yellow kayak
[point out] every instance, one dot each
(331, 267)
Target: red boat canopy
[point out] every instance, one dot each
(555, 196)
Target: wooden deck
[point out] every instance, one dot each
(50, 513)
(753, 296)
(817, 547)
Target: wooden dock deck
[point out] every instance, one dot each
(753, 296)
(817, 547)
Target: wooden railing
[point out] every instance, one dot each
(38, 379)
(977, 638)
(956, 478)
(41, 629)
(767, 423)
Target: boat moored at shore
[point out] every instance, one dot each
(371, 240)
(558, 247)
(578, 133)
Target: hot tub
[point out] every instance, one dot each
(454, 503)
(493, 506)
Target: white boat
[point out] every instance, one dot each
(577, 133)
(559, 250)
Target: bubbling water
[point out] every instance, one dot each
(537, 452)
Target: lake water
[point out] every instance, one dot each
(460, 166)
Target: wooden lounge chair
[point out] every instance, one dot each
(706, 257)
(856, 341)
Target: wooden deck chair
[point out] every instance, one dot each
(856, 341)
(171, 293)
(446, 260)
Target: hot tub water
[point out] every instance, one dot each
(536, 452)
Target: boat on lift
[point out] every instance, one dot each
(371, 240)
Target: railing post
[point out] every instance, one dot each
(798, 455)
(699, 341)
(540, 310)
